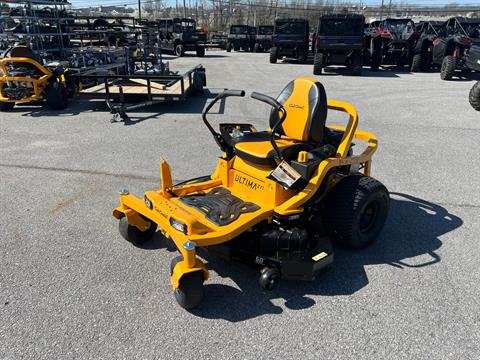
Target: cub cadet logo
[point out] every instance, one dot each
(296, 106)
(248, 183)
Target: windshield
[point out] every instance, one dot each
(399, 26)
(349, 27)
(185, 25)
(239, 30)
(285, 27)
(265, 30)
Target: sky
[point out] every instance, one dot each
(88, 3)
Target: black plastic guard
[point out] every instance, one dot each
(219, 205)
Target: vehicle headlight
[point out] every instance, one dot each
(178, 225)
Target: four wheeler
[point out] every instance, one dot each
(24, 79)
(451, 47)
(392, 43)
(263, 39)
(290, 39)
(422, 50)
(276, 198)
(474, 96)
(339, 41)
(240, 37)
(180, 35)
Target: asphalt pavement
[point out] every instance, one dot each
(72, 288)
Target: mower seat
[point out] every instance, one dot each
(305, 102)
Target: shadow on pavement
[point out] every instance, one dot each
(413, 229)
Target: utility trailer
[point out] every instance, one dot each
(124, 93)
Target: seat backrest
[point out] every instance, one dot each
(21, 51)
(305, 102)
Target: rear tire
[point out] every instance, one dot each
(357, 64)
(134, 235)
(318, 64)
(56, 96)
(200, 51)
(273, 55)
(189, 293)
(416, 63)
(376, 60)
(6, 106)
(474, 96)
(228, 47)
(356, 210)
(448, 67)
(256, 47)
(179, 50)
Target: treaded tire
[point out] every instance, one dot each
(228, 47)
(375, 60)
(356, 210)
(256, 47)
(56, 96)
(179, 50)
(318, 64)
(189, 293)
(448, 67)
(357, 64)
(426, 62)
(200, 51)
(416, 63)
(133, 235)
(273, 55)
(6, 106)
(474, 96)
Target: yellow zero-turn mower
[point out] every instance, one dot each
(24, 79)
(275, 199)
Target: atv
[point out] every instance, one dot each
(263, 39)
(290, 40)
(241, 37)
(179, 35)
(392, 43)
(422, 50)
(24, 79)
(275, 200)
(451, 47)
(339, 41)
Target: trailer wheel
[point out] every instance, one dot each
(200, 51)
(6, 106)
(356, 210)
(132, 234)
(273, 55)
(474, 96)
(357, 64)
(56, 96)
(179, 50)
(448, 67)
(189, 293)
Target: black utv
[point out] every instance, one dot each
(422, 49)
(392, 43)
(179, 35)
(263, 39)
(339, 41)
(240, 37)
(452, 46)
(290, 40)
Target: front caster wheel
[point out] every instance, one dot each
(269, 278)
(133, 234)
(189, 293)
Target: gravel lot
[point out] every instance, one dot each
(72, 288)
